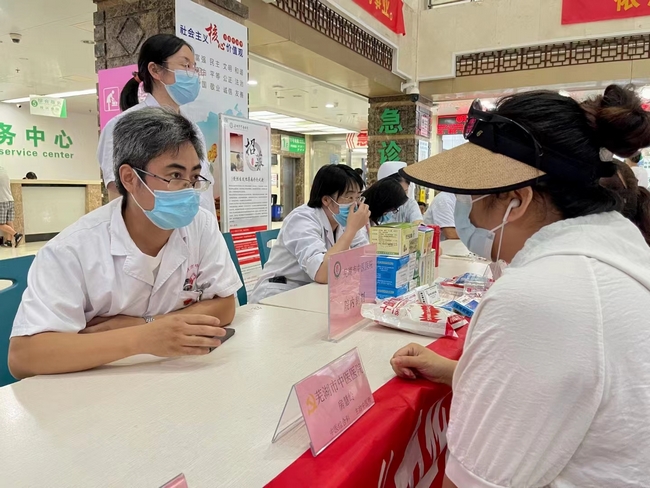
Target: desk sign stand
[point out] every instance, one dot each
(178, 482)
(351, 282)
(329, 401)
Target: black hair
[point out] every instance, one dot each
(614, 121)
(31, 176)
(384, 196)
(397, 177)
(156, 50)
(635, 198)
(636, 158)
(331, 180)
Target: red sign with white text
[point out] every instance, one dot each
(582, 11)
(388, 12)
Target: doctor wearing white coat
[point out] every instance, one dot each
(332, 221)
(149, 273)
(168, 74)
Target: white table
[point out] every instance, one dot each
(313, 297)
(142, 421)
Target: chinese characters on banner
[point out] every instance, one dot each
(582, 11)
(221, 54)
(388, 12)
(351, 282)
(357, 140)
(245, 175)
(332, 399)
(390, 125)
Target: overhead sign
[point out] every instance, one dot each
(388, 12)
(357, 140)
(48, 106)
(582, 11)
(293, 144)
(450, 125)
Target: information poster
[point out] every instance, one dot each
(246, 187)
(111, 83)
(221, 54)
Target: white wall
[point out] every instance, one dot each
(48, 160)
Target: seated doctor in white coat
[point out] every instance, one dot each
(410, 211)
(332, 221)
(149, 273)
(168, 73)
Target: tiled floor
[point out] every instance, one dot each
(22, 250)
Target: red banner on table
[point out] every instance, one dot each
(388, 12)
(401, 442)
(582, 11)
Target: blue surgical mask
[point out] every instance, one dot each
(478, 240)
(342, 216)
(185, 89)
(384, 219)
(171, 209)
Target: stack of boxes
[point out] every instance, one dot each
(405, 258)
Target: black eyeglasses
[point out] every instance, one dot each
(200, 184)
(477, 114)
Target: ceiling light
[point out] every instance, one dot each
(645, 92)
(78, 93)
(295, 124)
(252, 82)
(329, 105)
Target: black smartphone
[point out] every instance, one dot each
(229, 334)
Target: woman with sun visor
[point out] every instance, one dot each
(553, 386)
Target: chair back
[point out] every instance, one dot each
(14, 270)
(241, 293)
(264, 239)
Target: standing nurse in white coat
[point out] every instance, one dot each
(167, 71)
(332, 221)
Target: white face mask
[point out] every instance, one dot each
(479, 241)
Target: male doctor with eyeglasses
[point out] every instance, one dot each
(148, 273)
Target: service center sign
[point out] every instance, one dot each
(388, 12)
(582, 11)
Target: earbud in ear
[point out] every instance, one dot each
(514, 203)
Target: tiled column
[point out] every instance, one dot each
(399, 129)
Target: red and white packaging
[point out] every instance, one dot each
(417, 318)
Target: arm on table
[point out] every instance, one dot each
(450, 233)
(67, 352)
(416, 361)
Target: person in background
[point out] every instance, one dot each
(383, 199)
(30, 176)
(169, 76)
(7, 212)
(149, 273)
(332, 221)
(636, 199)
(441, 213)
(639, 171)
(552, 385)
(410, 211)
(423, 207)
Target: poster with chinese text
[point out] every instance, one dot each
(221, 53)
(245, 175)
(582, 11)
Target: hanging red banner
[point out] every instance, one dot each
(582, 11)
(388, 12)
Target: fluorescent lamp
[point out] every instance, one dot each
(78, 93)
(329, 105)
(252, 82)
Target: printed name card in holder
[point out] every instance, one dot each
(351, 281)
(329, 401)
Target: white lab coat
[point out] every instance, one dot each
(94, 269)
(305, 237)
(408, 212)
(105, 153)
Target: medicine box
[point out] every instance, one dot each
(385, 292)
(425, 240)
(392, 271)
(394, 239)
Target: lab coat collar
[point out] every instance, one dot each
(175, 252)
(150, 101)
(327, 227)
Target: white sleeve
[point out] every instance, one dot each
(216, 269)
(412, 211)
(530, 379)
(303, 237)
(443, 211)
(105, 152)
(55, 298)
(428, 215)
(360, 239)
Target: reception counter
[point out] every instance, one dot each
(46, 207)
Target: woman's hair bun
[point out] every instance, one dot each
(619, 121)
